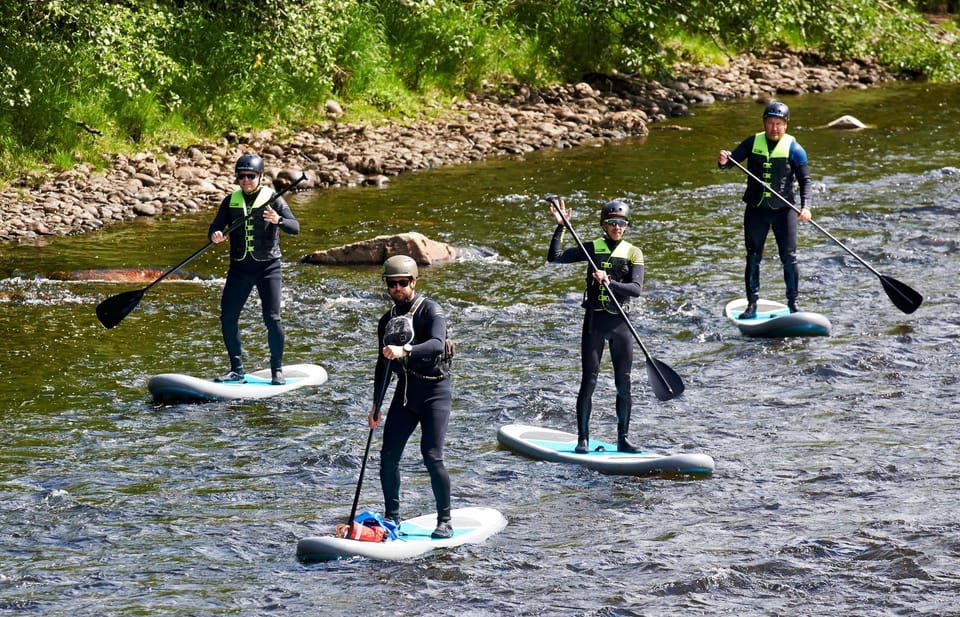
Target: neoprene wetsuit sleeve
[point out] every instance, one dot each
(380, 372)
(801, 169)
(289, 224)
(739, 153)
(634, 288)
(558, 254)
(430, 326)
(222, 218)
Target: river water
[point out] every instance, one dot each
(837, 474)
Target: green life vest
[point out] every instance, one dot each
(252, 238)
(617, 264)
(776, 165)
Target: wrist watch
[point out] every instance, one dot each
(408, 348)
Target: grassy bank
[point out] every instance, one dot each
(88, 78)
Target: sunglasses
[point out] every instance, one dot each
(616, 222)
(246, 176)
(391, 283)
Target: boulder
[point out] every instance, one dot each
(376, 250)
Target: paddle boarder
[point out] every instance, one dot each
(411, 337)
(621, 266)
(254, 262)
(777, 158)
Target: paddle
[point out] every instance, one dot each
(363, 466)
(902, 295)
(664, 380)
(111, 311)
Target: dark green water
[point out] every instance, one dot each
(836, 481)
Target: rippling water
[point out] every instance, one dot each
(837, 480)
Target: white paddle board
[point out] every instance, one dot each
(774, 320)
(548, 444)
(180, 388)
(470, 526)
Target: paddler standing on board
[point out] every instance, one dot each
(621, 266)
(777, 158)
(254, 262)
(412, 338)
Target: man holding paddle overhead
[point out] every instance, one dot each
(254, 262)
(616, 268)
(412, 338)
(778, 159)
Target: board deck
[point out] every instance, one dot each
(558, 446)
(180, 388)
(774, 320)
(470, 526)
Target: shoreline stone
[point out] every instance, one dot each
(165, 183)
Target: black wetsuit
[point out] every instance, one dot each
(423, 397)
(602, 323)
(765, 211)
(254, 262)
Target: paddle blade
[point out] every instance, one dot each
(111, 311)
(664, 380)
(902, 295)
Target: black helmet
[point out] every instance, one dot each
(399, 265)
(615, 208)
(250, 162)
(776, 109)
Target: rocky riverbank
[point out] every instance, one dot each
(341, 153)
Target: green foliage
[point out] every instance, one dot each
(88, 76)
(450, 44)
(121, 69)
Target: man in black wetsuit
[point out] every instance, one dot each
(776, 158)
(621, 266)
(254, 261)
(411, 337)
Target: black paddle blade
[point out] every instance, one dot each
(111, 311)
(902, 295)
(664, 380)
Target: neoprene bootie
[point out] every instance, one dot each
(624, 445)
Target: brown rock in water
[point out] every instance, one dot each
(376, 250)
(125, 275)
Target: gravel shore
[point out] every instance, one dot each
(173, 180)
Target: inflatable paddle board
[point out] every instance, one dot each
(470, 526)
(774, 320)
(548, 444)
(179, 388)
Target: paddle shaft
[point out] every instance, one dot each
(377, 403)
(798, 210)
(566, 223)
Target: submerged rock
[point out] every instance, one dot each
(846, 123)
(124, 275)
